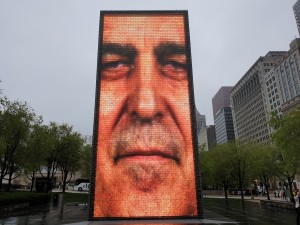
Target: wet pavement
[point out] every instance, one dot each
(251, 212)
(216, 211)
(47, 214)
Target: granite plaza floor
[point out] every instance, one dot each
(216, 211)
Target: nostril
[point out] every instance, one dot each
(158, 115)
(135, 116)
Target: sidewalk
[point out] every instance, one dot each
(247, 197)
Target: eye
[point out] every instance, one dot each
(113, 70)
(174, 69)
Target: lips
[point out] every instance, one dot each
(146, 155)
(141, 141)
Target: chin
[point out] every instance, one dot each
(131, 202)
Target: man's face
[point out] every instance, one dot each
(145, 164)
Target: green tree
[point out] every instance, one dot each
(221, 161)
(240, 163)
(287, 132)
(286, 137)
(70, 144)
(36, 147)
(16, 119)
(202, 147)
(52, 152)
(205, 162)
(286, 166)
(262, 163)
(86, 161)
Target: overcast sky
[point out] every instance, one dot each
(48, 48)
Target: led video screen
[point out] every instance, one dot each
(145, 148)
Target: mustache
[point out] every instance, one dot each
(139, 138)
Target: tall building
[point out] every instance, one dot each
(201, 124)
(224, 126)
(207, 138)
(247, 98)
(221, 99)
(201, 121)
(288, 72)
(223, 115)
(272, 93)
(296, 9)
(291, 105)
(282, 84)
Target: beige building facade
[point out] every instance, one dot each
(248, 101)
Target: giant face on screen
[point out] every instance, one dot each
(144, 146)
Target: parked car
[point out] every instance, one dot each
(82, 187)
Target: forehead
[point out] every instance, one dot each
(141, 28)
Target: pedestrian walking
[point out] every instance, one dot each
(297, 206)
(282, 194)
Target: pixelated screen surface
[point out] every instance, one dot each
(144, 161)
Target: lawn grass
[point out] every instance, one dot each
(19, 197)
(75, 197)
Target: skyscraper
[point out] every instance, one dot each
(296, 9)
(272, 93)
(223, 115)
(207, 138)
(288, 75)
(201, 121)
(248, 100)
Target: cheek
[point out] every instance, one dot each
(112, 98)
(181, 105)
(106, 108)
(187, 132)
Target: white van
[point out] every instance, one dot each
(82, 187)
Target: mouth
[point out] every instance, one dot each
(146, 156)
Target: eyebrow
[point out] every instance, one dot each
(127, 51)
(162, 51)
(168, 49)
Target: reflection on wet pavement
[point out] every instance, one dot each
(250, 212)
(48, 214)
(216, 211)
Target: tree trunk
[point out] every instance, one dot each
(241, 188)
(32, 181)
(225, 186)
(266, 183)
(48, 181)
(65, 174)
(290, 182)
(1, 180)
(2, 175)
(267, 190)
(9, 181)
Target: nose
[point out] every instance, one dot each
(145, 102)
